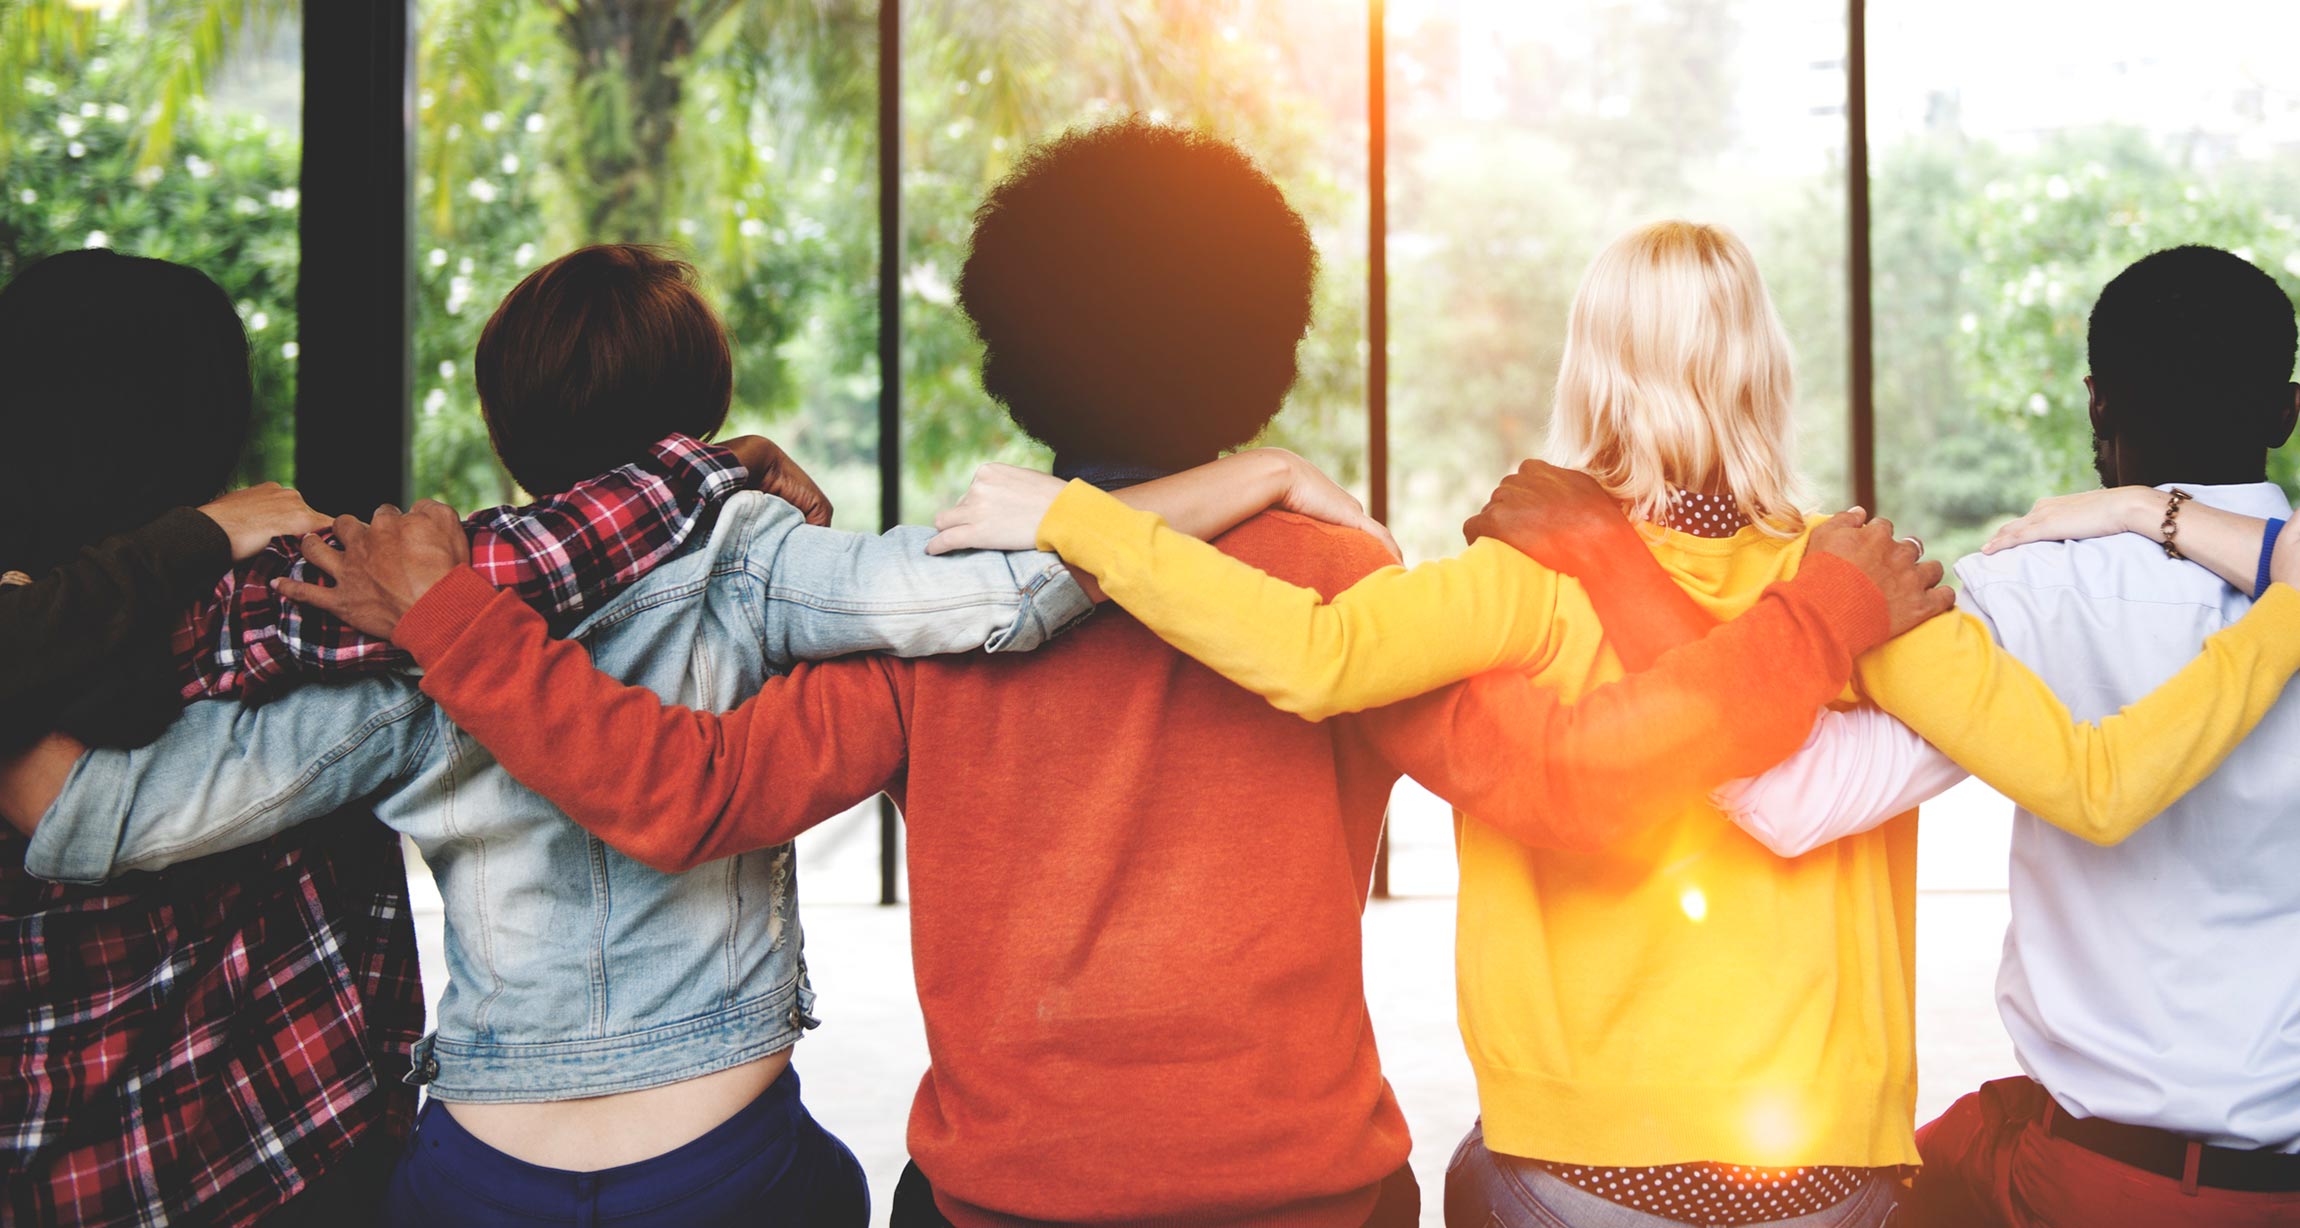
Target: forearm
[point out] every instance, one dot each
(562, 555)
(1587, 774)
(2222, 542)
(551, 717)
(1393, 635)
(1643, 611)
(1212, 499)
(118, 592)
(1857, 770)
(1951, 683)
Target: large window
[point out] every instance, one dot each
(740, 136)
(2014, 175)
(2012, 172)
(131, 126)
(1523, 138)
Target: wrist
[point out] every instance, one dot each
(2140, 509)
(1847, 599)
(439, 614)
(1277, 473)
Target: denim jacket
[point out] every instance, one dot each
(572, 970)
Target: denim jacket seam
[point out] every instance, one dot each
(210, 835)
(700, 1023)
(602, 912)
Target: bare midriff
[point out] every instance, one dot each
(627, 1127)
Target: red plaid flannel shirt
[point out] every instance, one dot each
(564, 555)
(194, 1047)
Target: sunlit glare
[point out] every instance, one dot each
(1775, 1130)
(1695, 904)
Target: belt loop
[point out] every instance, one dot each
(2189, 1167)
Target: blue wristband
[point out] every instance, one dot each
(2267, 554)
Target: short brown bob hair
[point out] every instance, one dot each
(595, 356)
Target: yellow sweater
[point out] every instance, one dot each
(1688, 996)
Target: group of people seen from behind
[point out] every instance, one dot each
(1143, 715)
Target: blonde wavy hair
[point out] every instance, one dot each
(1677, 373)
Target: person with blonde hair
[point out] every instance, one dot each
(1674, 1024)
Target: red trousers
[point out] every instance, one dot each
(1989, 1161)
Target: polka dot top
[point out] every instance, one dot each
(1704, 515)
(1720, 1194)
(1714, 1194)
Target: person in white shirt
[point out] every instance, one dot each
(2149, 986)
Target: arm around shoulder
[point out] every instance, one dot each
(1953, 684)
(1393, 635)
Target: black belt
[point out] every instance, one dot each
(2182, 1159)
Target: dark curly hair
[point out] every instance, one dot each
(1140, 291)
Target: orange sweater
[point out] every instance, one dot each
(1135, 887)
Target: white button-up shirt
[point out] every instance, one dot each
(2157, 982)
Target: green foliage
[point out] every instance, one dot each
(744, 136)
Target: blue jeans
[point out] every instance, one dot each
(768, 1166)
(1484, 1190)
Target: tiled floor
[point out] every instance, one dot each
(863, 1064)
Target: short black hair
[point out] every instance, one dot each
(1140, 291)
(124, 392)
(2190, 348)
(593, 357)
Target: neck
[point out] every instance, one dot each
(2157, 471)
(1108, 474)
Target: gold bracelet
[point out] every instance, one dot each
(2171, 526)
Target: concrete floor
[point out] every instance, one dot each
(862, 1065)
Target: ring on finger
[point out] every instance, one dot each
(1916, 541)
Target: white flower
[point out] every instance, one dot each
(447, 368)
(69, 125)
(97, 238)
(524, 255)
(259, 322)
(483, 191)
(290, 350)
(510, 164)
(535, 121)
(491, 121)
(2038, 405)
(752, 228)
(434, 401)
(437, 258)
(28, 196)
(76, 149)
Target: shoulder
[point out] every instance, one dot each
(1307, 552)
(2123, 568)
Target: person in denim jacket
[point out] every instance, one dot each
(612, 1042)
